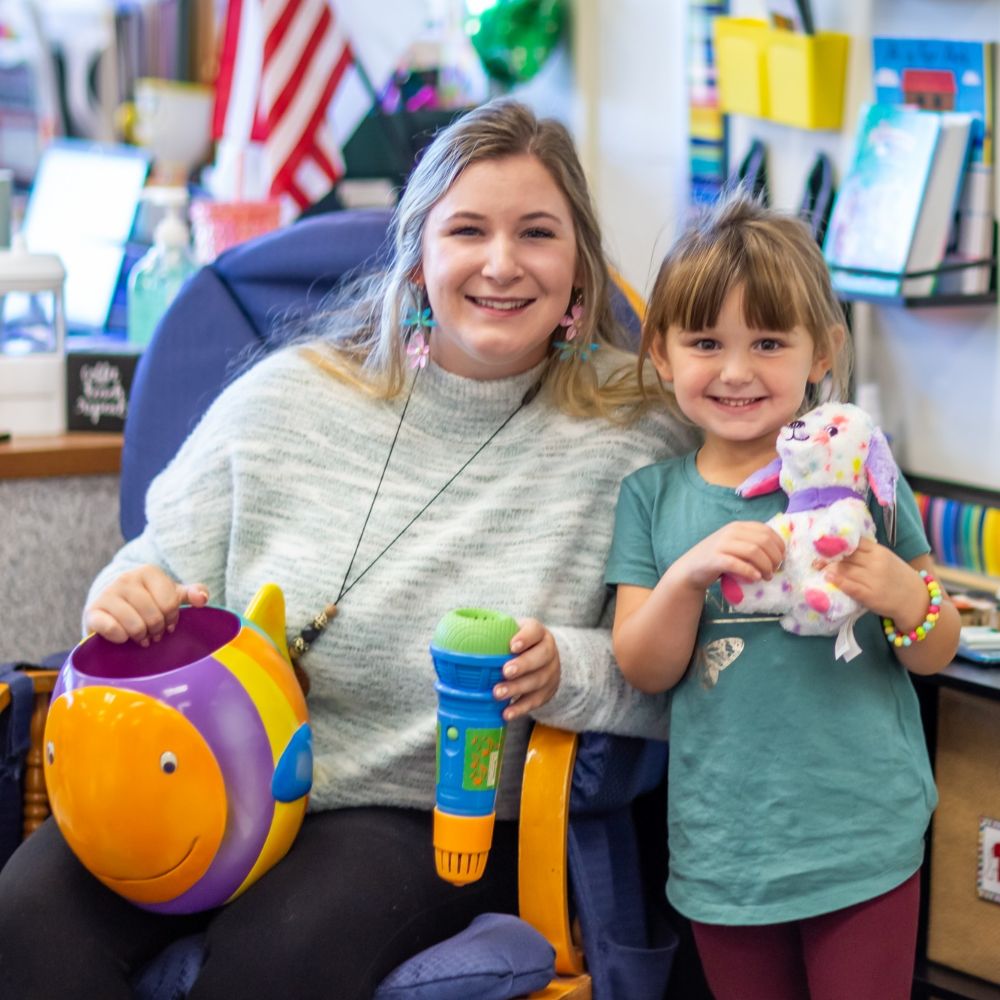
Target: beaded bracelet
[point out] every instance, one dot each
(920, 632)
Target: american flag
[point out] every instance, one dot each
(288, 88)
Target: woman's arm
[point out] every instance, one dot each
(593, 693)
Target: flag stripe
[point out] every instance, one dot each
(316, 50)
(227, 68)
(284, 65)
(307, 111)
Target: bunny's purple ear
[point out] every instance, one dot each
(766, 480)
(881, 469)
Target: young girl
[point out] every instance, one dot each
(800, 788)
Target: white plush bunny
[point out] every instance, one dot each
(827, 459)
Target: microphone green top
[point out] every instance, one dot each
(475, 630)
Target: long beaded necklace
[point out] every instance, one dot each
(308, 635)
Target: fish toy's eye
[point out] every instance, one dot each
(168, 762)
(50, 752)
(832, 431)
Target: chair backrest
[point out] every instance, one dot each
(230, 308)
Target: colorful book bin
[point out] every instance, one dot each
(178, 773)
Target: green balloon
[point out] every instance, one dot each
(513, 38)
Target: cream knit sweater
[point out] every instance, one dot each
(274, 485)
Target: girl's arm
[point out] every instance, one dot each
(655, 630)
(892, 588)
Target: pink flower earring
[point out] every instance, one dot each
(571, 323)
(417, 346)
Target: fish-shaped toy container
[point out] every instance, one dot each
(179, 772)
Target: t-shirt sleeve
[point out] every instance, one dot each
(632, 559)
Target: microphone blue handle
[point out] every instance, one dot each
(469, 649)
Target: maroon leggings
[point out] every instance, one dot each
(864, 952)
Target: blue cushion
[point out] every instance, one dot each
(496, 957)
(172, 973)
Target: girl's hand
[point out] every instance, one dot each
(881, 582)
(142, 604)
(532, 677)
(750, 550)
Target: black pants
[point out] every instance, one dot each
(354, 898)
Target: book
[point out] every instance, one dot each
(939, 74)
(950, 75)
(974, 234)
(897, 202)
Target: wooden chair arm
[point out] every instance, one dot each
(543, 883)
(36, 799)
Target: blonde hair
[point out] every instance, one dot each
(359, 336)
(774, 257)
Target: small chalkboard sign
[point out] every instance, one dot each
(97, 389)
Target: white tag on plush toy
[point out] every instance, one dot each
(846, 646)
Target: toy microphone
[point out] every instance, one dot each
(469, 649)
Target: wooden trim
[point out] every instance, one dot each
(543, 884)
(575, 988)
(967, 578)
(36, 799)
(78, 453)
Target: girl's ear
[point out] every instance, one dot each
(658, 355)
(823, 362)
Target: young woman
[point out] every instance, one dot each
(447, 434)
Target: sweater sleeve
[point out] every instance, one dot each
(189, 506)
(593, 693)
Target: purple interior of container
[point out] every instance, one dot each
(199, 633)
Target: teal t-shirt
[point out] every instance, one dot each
(798, 783)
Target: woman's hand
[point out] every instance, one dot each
(532, 677)
(142, 604)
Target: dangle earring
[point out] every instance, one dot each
(571, 324)
(418, 320)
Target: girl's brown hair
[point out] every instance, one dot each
(777, 261)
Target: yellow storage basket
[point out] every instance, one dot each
(789, 77)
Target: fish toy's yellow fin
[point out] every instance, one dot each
(267, 612)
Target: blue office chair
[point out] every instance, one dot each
(579, 843)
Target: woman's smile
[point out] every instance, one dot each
(499, 266)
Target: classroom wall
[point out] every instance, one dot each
(937, 370)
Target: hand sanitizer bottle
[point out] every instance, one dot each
(155, 280)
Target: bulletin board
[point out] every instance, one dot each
(964, 920)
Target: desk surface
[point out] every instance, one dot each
(967, 676)
(78, 453)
